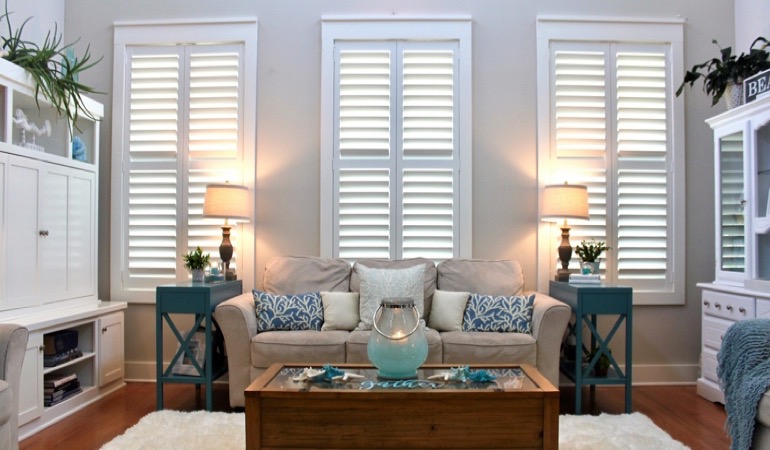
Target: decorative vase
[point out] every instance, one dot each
(733, 95)
(397, 344)
(197, 275)
(589, 267)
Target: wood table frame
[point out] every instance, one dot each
(402, 418)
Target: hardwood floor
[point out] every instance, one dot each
(687, 417)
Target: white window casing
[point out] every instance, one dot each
(608, 119)
(184, 117)
(395, 162)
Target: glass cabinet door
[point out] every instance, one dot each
(732, 251)
(761, 225)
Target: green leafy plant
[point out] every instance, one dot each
(717, 73)
(54, 72)
(196, 260)
(603, 363)
(589, 251)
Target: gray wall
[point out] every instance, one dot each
(667, 339)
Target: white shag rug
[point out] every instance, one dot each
(224, 431)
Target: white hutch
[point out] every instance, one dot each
(48, 247)
(741, 288)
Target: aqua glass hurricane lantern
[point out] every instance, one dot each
(397, 345)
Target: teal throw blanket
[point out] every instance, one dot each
(744, 374)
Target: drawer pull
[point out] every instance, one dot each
(729, 307)
(717, 305)
(742, 310)
(706, 303)
(721, 337)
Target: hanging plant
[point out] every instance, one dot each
(54, 73)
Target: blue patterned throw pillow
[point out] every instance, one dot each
(288, 312)
(501, 314)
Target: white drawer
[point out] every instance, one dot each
(714, 330)
(763, 308)
(728, 306)
(708, 367)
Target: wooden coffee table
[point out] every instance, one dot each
(519, 409)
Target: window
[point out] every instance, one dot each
(396, 144)
(183, 118)
(608, 119)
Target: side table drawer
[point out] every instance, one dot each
(714, 330)
(709, 365)
(727, 306)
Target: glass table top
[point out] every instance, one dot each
(292, 378)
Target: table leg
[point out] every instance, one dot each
(159, 358)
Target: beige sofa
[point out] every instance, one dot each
(250, 353)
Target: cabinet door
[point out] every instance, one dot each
(81, 239)
(22, 232)
(31, 389)
(111, 359)
(53, 242)
(731, 208)
(3, 253)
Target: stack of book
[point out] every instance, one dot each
(579, 278)
(60, 346)
(58, 387)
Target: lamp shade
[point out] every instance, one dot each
(227, 201)
(564, 201)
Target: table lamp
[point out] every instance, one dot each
(229, 202)
(562, 202)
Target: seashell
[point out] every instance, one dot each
(314, 374)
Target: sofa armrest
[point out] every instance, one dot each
(549, 322)
(237, 318)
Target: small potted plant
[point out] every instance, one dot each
(728, 71)
(196, 261)
(602, 365)
(589, 252)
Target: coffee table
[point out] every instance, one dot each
(519, 409)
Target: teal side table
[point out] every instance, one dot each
(587, 302)
(198, 299)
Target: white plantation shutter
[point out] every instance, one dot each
(732, 195)
(396, 164)
(185, 121)
(611, 131)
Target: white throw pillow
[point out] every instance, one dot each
(446, 313)
(340, 310)
(377, 284)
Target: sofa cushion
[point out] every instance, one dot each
(288, 312)
(340, 310)
(505, 314)
(301, 347)
(292, 274)
(429, 280)
(378, 284)
(358, 340)
(447, 310)
(763, 410)
(482, 276)
(473, 347)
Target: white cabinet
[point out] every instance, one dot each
(48, 247)
(741, 288)
(99, 370)
(111, 350)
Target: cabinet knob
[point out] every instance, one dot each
(43, 233)
(41, 348)
(104, 330)
(717, 305)
(729, 307)
(706, 303)
(742, 310)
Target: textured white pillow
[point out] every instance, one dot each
(340, 310)
(446, 313)
(377, 284)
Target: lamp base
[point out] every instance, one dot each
(562, 275)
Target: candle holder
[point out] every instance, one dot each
(397, 345)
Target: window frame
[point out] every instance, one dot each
(619, 31)
(150, 33)
(383, 29)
